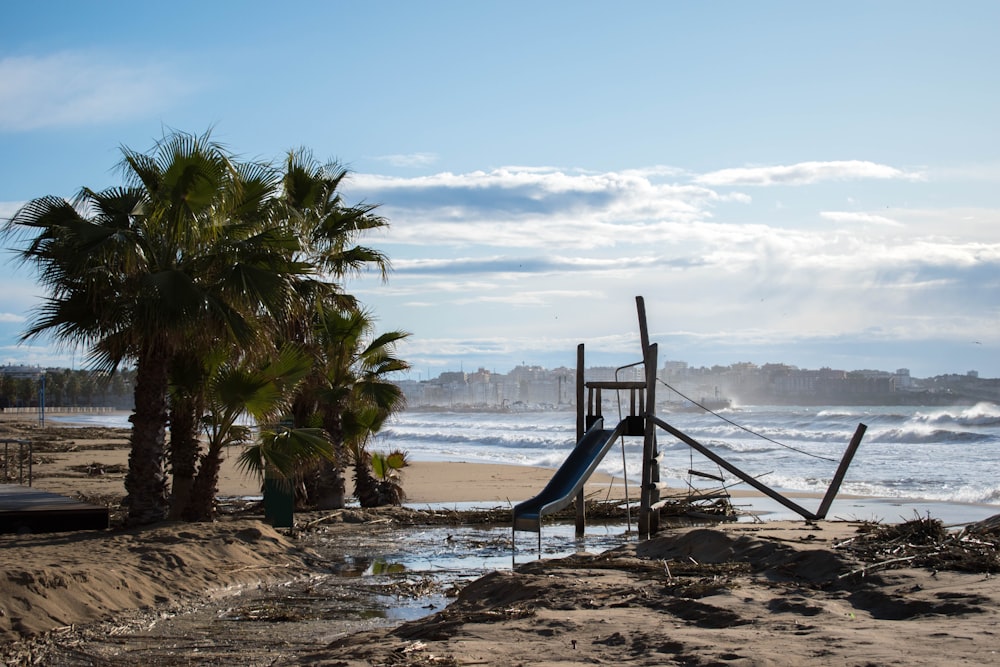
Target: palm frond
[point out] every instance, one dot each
(283, 453)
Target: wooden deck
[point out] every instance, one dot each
(25, 509)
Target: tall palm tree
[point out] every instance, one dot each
(190, 253)
(329, 230)
(89, 253)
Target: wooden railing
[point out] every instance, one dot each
(23, 446)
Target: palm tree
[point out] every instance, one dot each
(377, 479)
(386, 469)
(89, 253)
(242, 394)
(329, 230)
(357, 396)
(190, 253)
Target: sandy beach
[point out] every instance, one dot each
(846, 592)
(92, 461)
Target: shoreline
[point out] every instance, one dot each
(92, 460)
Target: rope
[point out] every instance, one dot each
(744, 428)
(628, 501)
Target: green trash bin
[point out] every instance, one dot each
(279, 503)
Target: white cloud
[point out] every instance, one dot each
(11, 317)
(623, 224)
(519, 207)
(36, 354)
(517, 260)
(806, 173)
(72, 89)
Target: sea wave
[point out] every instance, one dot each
(907, 452)
(454, 438)
(922, 435)
(981, 414)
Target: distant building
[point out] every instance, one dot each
(742, 382)
(22, 371)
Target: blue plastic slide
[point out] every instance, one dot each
(569, 479)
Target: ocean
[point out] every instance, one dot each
(937, 454)
(941, 454)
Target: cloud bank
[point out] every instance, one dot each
(487, 249)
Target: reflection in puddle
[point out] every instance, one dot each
(413, 572)
(380, 567)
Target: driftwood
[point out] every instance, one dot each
(926, 542)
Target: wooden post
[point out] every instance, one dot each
(581, 401)
(581, 509)
(640, 305)
(650, 360)
(838, 478)
(650, 468)
(649, 521)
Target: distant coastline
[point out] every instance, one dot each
(537, 388)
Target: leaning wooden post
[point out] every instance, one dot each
(640, 306)
(838, 478)
(581, 427)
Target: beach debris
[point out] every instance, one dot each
(926, 542)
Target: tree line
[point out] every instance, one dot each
(222, 283)
(69, 388)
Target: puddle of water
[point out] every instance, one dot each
(422, 567)
(464, 548)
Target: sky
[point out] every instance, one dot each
(816, 184)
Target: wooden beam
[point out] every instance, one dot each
(838, 478)
(763, 488)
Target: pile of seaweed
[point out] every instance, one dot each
(926, 542)
(597, 511)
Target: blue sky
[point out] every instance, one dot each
(809, 183)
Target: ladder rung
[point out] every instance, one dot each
(706, 475)
(615, 385)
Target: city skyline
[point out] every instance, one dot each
(423, 375)
(810, 183)
(474, 368)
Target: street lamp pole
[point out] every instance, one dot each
(41, 401)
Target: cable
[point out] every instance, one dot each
(744, 428)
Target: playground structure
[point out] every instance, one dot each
(594, 440)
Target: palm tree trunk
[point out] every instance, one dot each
(325, 487)
(365, 486)
(146, 482)
(201, 506)
(184, 448)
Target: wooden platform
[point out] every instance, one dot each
(25, 509)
